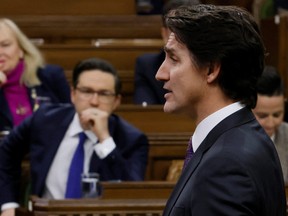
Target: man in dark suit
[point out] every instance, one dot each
(147, 89)
(113, 148)
(214, 57)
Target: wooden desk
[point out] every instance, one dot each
(119, 198)
(98, 207)
(137, 190)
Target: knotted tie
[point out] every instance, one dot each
(189, 153)
(73, 188)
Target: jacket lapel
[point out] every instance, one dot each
(238, 118)
(5, 112)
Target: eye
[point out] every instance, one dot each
(277, 115)
(106, 93)
(261, 115)
(6, 44)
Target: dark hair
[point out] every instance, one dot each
(173, 4)
(227, 35)
(96, 64)
(270, 83)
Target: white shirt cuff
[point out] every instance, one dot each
(105, 148)
(9, 206)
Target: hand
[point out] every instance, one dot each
(8, 212)
(95, 120)
(3, 78)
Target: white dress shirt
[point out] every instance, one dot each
(55, 186)
(207, 124)
(56, 180)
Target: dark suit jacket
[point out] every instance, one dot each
(54, 86)
(146, 87)
(41, 134)
(235, 171)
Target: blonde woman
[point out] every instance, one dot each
(25, 81)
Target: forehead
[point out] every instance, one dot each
(173, 46)
(6, 32)
(96, 79)
(270, 100)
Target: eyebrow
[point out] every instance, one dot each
(170, 51)
(167, 49)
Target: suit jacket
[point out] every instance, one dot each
(146, 87)
(281, 144)
(41, 134)
(54, 85)
(235, 171)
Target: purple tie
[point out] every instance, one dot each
(73, 188)
(189, 153)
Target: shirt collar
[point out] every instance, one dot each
(207, 124)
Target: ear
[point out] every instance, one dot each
(72, 94)
(117, 102)
(213, 72)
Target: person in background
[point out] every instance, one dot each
(113, 148)
(25, 81)
(269, 112)
(147, 89)
(214, 57)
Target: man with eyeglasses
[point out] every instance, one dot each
(113, 148)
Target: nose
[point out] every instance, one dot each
(270, 122)
(162, 73)
(270, 125)
(94, 99)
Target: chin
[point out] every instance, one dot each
(169, 108)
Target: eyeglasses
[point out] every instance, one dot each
(103, 96)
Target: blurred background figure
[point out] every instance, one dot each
(147, 90)
(269, 112)
(149, 7)
(25, 81)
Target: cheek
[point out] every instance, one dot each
(278, 121)
(13, 58)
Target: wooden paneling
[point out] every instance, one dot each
(168, 136)
(275, 36)
(122, 56)
(137, 190)
(152, 119)
(69, 28)
(98, 207)
(64, 7)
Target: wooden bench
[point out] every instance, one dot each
(152, 119)
(75, 29)
(168, 135)
(164, 148)
(71, 7)
(122, 54)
